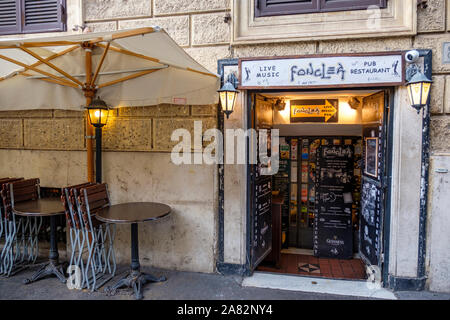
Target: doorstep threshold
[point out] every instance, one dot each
(316, 285)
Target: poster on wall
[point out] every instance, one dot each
(371, 161)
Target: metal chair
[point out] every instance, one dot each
(77, 236)
(3, 222)
(101, 262)
(21, 246)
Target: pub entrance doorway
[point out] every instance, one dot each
(322, 213)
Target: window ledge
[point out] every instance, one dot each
(398, 19)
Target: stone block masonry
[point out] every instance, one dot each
(143, 129)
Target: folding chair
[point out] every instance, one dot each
(101, 262)
(21, 245)
(4, 234)
(76, 228)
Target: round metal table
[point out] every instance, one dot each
(134, 213)
(48, 207)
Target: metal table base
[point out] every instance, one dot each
(53, 268)
(135, 278)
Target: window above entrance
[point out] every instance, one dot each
(255, 21)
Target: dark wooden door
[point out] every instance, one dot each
(261, 185)
(374, 115)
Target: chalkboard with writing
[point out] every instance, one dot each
(372, 190)
(333, 236)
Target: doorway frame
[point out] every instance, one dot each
(388, 171)
(391, 281)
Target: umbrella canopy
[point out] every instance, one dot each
(137, 67)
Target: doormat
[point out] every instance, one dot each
(308, 267)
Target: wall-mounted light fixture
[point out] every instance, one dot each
(280, 104)
(419, 88)
(228, 95)
(98, 117)
(354, 103)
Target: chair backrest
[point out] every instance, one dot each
(5, 201)
(6, 180)
(68, 198)
(92, 199)
(24, 190)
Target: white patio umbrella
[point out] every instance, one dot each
(138, 67)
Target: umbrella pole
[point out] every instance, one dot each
(89, 93)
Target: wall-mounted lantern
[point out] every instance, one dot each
(419, 88)
(228, 95)
(98, 117)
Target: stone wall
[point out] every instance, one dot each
(198, 26)
(129, 129)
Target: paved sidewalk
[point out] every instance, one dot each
(179, 286)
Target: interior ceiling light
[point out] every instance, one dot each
(280, 104)
(354, 103)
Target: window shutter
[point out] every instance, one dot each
(281, 7)
(43, 15)
(9, 17)
(341, 5)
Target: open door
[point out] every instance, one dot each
(375, 110)
(261, 186)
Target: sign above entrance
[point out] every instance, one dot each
(357, 70)
(319, 110)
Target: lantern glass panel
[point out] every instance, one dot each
(415, 93)
(425, 92)
(223, 100)
(230, 97)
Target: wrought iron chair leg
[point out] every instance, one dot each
(90, 265)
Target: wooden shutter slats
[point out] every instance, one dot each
(41, 15)
(342, 5)
(28, 16)
(6, 4)
(9, 17)
(282, 7)
(264, 8)
(274, 2)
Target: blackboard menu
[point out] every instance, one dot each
(333, 236)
